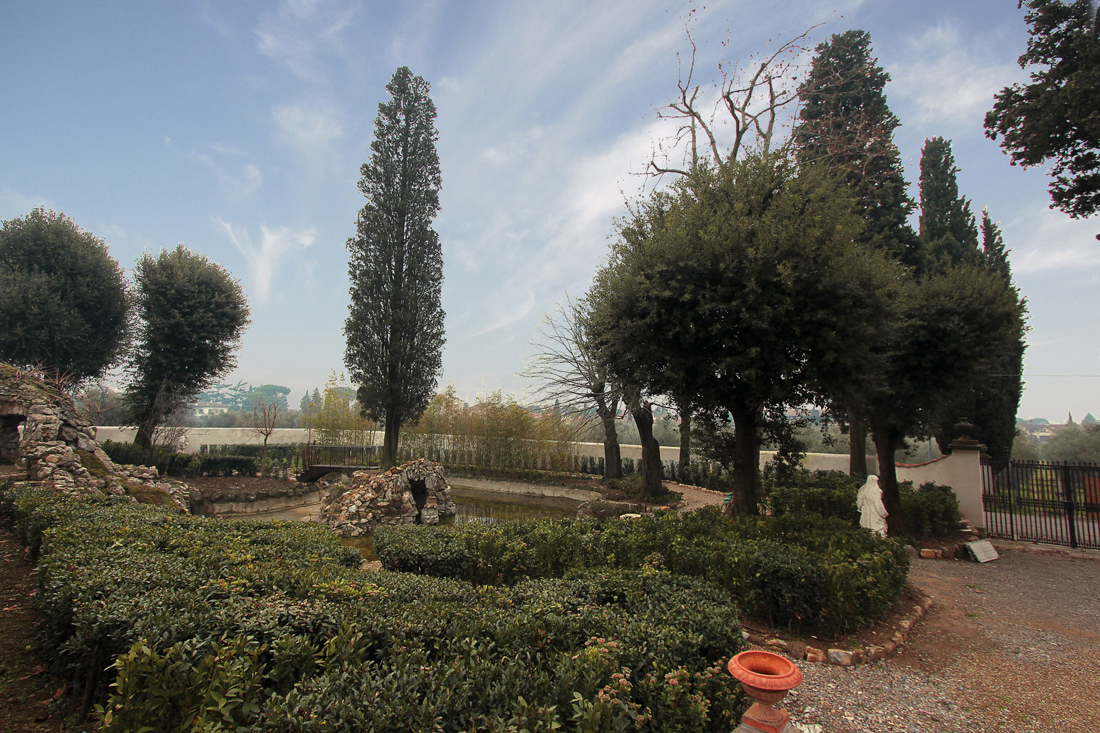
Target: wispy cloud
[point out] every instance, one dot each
(1052, 241)
(14, 204)
(948, 78)
(264, 260)
(307, 129)
(237, 181)
(509, 313)
(300, 32)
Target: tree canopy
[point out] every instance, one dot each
(394, 327)
(64, 301)
(1053, 119)
(845, 124)
(743, 289)
(191, 314)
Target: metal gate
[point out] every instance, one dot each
(1034, 501)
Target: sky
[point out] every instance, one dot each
(238, 129)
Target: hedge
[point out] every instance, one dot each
(799, 571)
(930, 511)
(171, 622)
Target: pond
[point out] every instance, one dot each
(472, 505)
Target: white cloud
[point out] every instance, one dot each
(14, 204)
(309, 130)
(1052, 241)
(275, 244)
(301, 32)
(948, 78)
(509, 313)
(238, 183)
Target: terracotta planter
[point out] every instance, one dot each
(766, 677)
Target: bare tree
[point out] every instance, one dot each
(265, 416)
(572, 375)
(750, 98)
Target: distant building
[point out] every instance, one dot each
(203, 407)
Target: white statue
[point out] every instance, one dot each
(872, 512)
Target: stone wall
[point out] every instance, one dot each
(414, 493)
(57, 447)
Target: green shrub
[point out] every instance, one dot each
(173, 622)
(930, 511)
(800, 571)
(825, 493)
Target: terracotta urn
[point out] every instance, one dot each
(767, 677)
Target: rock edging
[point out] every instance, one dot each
(846, 657)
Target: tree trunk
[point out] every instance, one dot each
(887, 442)
(144, 437)
(612, 457)
(388, 458)
(685, 444)
(746, 461)
(857, 451)
(651, 451)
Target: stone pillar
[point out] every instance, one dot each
(965, 468)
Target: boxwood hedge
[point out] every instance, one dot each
(166, 622)
(798, 571)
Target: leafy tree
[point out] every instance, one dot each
(64, 305)
(1053, 119)
(336, 414)
(574, 377)
(946, 222)
(192, 314)
(268, 394)
(948, 322)
(394, 328)
(845, 124)
(742, 288)
(1073, 443)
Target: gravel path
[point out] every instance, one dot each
(1011, 645)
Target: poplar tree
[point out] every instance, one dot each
(394, 327)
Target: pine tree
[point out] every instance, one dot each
(947, 226)
(394, 328)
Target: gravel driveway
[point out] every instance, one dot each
(1011, 645)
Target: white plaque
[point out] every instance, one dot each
(982, 550)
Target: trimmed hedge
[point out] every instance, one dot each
(799, 571)
(930, 511)
(209, 625)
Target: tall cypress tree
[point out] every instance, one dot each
(394, 327)
(950, 237)
(947, 227)
(846, 125)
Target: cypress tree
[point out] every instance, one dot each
(394, 327)
(947, 227)
(846, 125)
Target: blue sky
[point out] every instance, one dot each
(238, 128)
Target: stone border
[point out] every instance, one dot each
(846, 657)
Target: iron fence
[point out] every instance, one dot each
(1035, 501)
